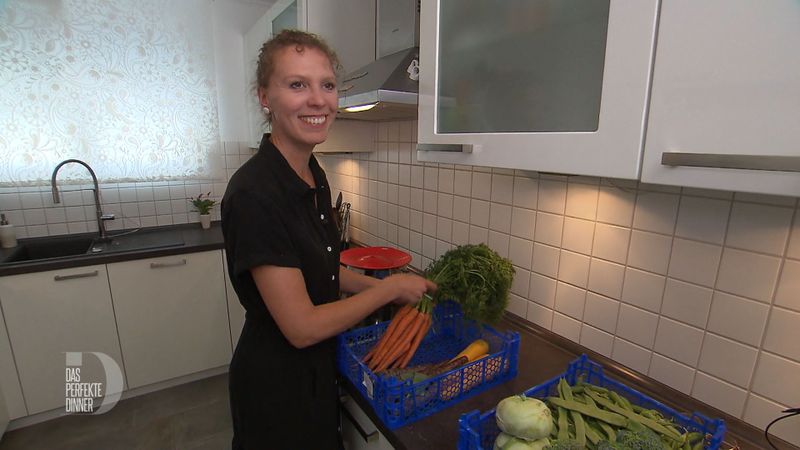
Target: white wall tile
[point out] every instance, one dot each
(526, 192)
(31, 200)
(778, 200)
(517, 305)
(597, 340)
(462, 184)
(672, 373)
(9, 201)
(540, 315)
(695, 262)
(481, 185)
(542, 290)
(566, 326)
(793, 251)
(678, 341)
(601, 312)
(570, 300)
(545, 259)
(415, 220)
(655, 212)
(643, 289)
(444, 229)
(708, 193)
(429, 224)
(783, 333)
(703, 219)
(573, 268)
(578, 235)
(502, 188)
(444, 205)
(460, 233)
(606, 278)
(520, 283)
(523, 223)
(631, 355)
(404, 175)
(58, 215)
(446, 180)
(728, 360)
(428, 246)
(719, 394)
(500, 217)
(686, 302)
(788, 294)
(748, 274)
(738, 318)
(637, 325)
(650, 251)
(582, 201)
(520, 252)
(478, 235)
(430, 201)
(611, 242)
(461, 209)
(776, 378)
(615, 206)
(760, 412)
(759, 228)
(548, 229)
(552, 196)
(431, 178)
(498, 242)
(479, 213)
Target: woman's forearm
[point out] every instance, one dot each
(353, 282)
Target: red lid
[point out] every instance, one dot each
(375, 258)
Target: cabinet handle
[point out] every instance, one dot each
(725, 161)
(93, 273)
(450, 148)
(371, 437)
(168, 264)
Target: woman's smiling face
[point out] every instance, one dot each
(301, 96)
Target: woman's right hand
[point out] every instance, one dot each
(408, 288)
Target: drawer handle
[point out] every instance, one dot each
(93, 273)
(168, 264)
(722, 161)
(371, 437)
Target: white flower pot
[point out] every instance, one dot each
(205, 221)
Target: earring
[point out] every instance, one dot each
(266, 110)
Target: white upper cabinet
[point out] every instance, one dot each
(556, 86)
(726, 93)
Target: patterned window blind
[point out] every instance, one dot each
(125, 85)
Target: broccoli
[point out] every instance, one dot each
(606, 445)
(565, 444)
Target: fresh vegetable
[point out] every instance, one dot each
(477, 348)
(524, 417)
(565, 444)
(508, 442)
(476, 277)
(402, 337)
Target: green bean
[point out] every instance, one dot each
(577, 419)
(563, 426)
(650, 423)
(592, 432)
(597, 413)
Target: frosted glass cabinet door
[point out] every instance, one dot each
(550, 85)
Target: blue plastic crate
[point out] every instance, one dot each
(478, 431)
(399, 402)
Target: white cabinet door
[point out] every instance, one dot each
(358, 431)
(13, 403)
(726, 85)
(171, 314)
(557, 86)
(50, 313)
(235, 309)
(348, 26)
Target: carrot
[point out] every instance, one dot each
(423, 330)
(392, 341)
(411, 336)
(395, 353)
(387, 334)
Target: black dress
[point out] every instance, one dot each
(281, 397)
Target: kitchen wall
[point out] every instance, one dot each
(698, 289)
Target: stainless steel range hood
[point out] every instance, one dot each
(384, 89)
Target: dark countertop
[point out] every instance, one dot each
(544, 355)
(194, 238)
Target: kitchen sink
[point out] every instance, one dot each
(77, 246)
(50, 248)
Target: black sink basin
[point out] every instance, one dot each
(50, 248)
(143, 240)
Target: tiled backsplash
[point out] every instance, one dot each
(146, 204)
(698, 289)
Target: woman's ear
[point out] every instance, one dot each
(262, 97)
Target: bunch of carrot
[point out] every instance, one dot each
(402, 337)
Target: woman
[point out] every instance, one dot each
(283, 260)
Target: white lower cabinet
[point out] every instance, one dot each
(13, 404)
(49, 314)
(358, 431)
(235, 309)
(171, 315)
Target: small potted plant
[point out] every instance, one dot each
(203, 204)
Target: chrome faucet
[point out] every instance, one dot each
(101, 218)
